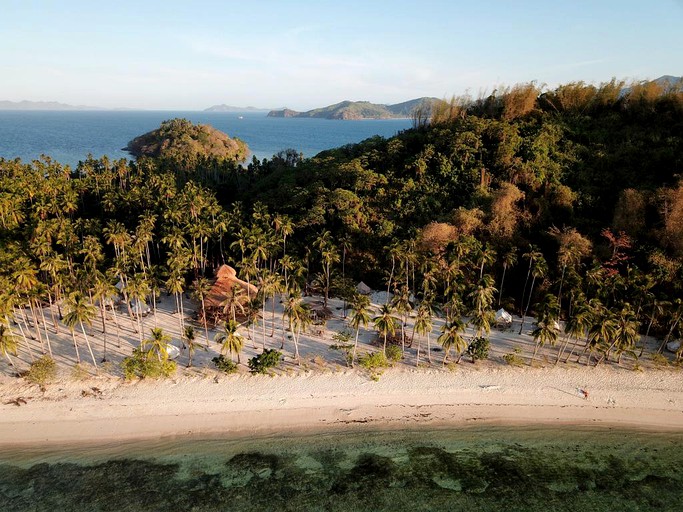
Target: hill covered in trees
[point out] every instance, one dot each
(567, 203)
(360, 110)
(179, 141)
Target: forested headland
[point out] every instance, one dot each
(564, 204)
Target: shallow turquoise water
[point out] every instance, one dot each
(458, 469)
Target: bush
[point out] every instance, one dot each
(394, 353)
(479, 349)
(42, 371)
(375, 363)
(373, 360)
(224, 364)
(514, 358)
(141, 365)
(343, 339)
(267, 359)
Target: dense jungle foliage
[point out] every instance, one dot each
(567, 203)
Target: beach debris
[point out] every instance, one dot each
(584, 392)
(19, 401)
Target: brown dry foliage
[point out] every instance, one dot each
(436, 235)
(505, 211)
(467, 220)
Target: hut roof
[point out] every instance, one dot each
(363, 288)
(226, 279)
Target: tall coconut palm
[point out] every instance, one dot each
(200, 289)
(8, 343)
(625, 334)
(532, 255)
(481, 297)
(156, 344)
(385, 323)
(576, 326)
(105, 293)
(231, 341)
(299, 315)
(360, 316)
(402, 306)
(509, 260)
(423, 326)
(77, 311)
(546, 330)
(233, 301)
(451, 337)
(190, 341)
(539, 269)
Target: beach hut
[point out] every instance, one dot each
(503, 318)
(139, 308)
(225, 285)
(363, 288)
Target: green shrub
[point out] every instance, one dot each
(479, 349)
(224, 364)
(141, 365)
(375, 363)
(513, 358)
(267, 359)
(42, 371)
(343, 339)
(394, 353)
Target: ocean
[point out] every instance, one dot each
(473, 468)
(69, 136)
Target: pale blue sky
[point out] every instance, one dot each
(304, 54)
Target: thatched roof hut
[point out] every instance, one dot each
(225, 285)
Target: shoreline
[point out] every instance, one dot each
(109, 410)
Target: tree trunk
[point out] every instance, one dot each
(531, 292)
(502, 281)
(355, 348)
(87, 342)
(78, 357)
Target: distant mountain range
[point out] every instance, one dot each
(358, 110)
(41, 105)
(229, 108)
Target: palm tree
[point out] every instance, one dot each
(385, 323)
(546, 330)
(233, 301)
(575, 327)
(539, 268)
(8, 343)
(532, 256)
(189, 337)
(509, 260)
(77, 311)
(200, 289)
(451, 337)
(360, 315)
(105, 292)
(231, 341)
(423, 326)
(401, 304)
(482, 316)
(299, 315)
(157, 344)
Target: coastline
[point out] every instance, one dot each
(107, 409)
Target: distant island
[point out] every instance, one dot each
(229, 108)
(41, 105)
(350, 110)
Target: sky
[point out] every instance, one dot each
(173, 55)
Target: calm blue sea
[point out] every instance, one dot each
(70, 136)
(471, 469)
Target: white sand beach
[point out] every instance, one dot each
(322, 394)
